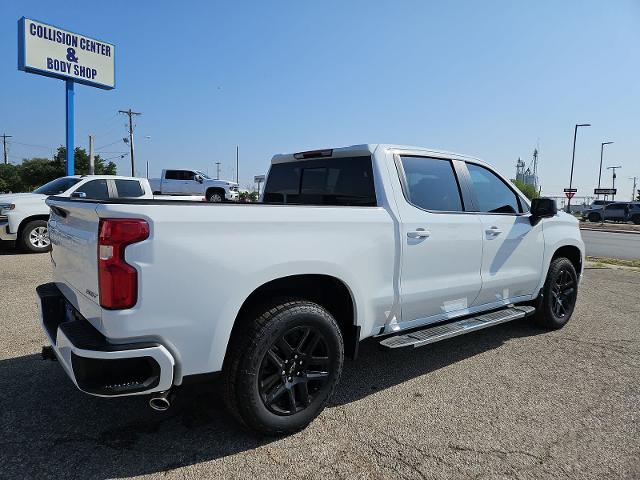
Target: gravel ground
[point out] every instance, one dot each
(507, 402)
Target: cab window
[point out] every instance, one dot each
(492, 193)
(95, 189)
(128, 188)
(431, 184)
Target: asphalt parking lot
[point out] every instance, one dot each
(507, 402)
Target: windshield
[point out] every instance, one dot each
(204, 175)
(59, 185)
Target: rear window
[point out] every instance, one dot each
(346, 181)
(129, 188)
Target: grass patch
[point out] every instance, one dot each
(615, 261)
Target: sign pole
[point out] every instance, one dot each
(70, 127)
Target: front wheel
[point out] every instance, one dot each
(281, 371)
(559, 294)
(215, 196)
(594, 217)
(34, 237)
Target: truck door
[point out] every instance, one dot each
(512, 248)
(441, 243)
(172, 182)
(190, 186)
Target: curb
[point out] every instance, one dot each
(633, 232)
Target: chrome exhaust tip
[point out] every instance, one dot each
(161, 401)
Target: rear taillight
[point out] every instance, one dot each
(118, 281)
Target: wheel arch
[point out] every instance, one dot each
(31, 218)
(572, 253)
(325, 290)
(214, 189)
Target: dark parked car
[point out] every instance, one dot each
(616, 211)
(633, 214)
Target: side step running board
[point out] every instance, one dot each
(418, 338)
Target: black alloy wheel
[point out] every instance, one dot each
(563, 294)
(294, 371)
(557, 300)
(282, 366)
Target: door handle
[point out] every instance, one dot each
(493, 231)
(419, 233)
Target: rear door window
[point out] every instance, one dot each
(333, 181)
(128, 188)
(431, 184)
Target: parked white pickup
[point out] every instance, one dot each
(194, 182)
(405, 243)
(24, 216)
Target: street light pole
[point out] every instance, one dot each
(573, 158)
(601, 153)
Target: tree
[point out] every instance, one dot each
(10, 180)
(81, 159)
(34, 172)
(637, 197)
(529, 190)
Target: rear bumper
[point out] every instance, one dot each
(95, 365)
(5, 233)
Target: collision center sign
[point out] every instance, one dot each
(48, 50)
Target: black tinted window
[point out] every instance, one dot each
(95, 189)
(129, 188)
(331, 181)
(492, 194)
(431, 184)
(172, 175)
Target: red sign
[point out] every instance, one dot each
(569, 194)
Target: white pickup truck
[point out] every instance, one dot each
(405, 244)
(24, 216)
(194, 182)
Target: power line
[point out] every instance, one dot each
(130, 113)
(108, 145)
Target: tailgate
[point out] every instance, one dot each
(73, 229)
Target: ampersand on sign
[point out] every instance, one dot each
(71, 55)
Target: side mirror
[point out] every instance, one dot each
(198, 178)
(542, 208)
(78, 195)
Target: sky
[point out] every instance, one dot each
(492, 79)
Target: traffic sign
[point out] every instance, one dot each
(571, 190)
(569, 194)
(604, 191)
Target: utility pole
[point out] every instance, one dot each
(613, 196)
(4, 144)
(92, 163)
(130, 113)
(635, 182)
(217, 170)
(237, 156)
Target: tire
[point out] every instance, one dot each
(297, 337)
(594, 217)
(34, 237)
(215, 196)
(558, 299)
(636, 219)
